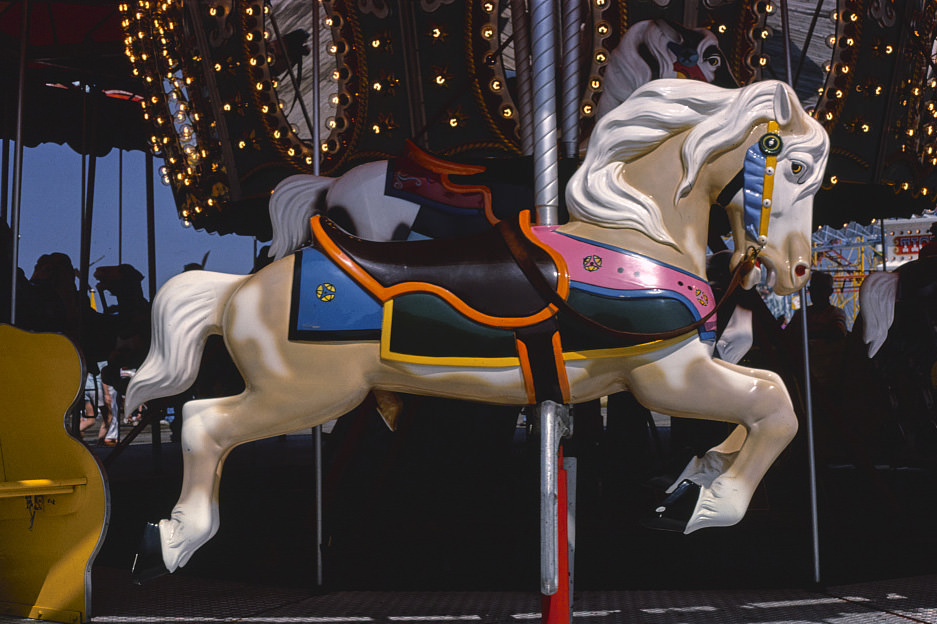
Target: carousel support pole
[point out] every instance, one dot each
(520, 25)
(156, 442)
(808, 398)
(572, 17)
(554, 418)
(5, 182)
(316, 140)
(18, 156)
(811, 453)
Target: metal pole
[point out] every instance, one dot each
(316, 140)
(18, 157)
(156, 441)
(5, 173)
(572, 16)
(546, 155)
(786, 27)
(811, 455)
(549, 445)
(120, 206)
(808, 398)
(521, 26)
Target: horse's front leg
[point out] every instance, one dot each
(715, 490)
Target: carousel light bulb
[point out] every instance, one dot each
(376, 129)
(226, 107)
(722, 28)
(453, 122)
(291, 151)
(587, 109)
(375, 43)
(495, 85)
(831, 41)
(440, 80)
(487, 31)
(308, 160)
(242, 144)
(507, 112)
(595, 84)
(276, 134)
(864, 127)
(334, 48)
(217, 67)
(600, 57)
(602, 29)
(488, 7)
(377, 86)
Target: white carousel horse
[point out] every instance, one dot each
(649, 50)
(623, 210)
(908, 294)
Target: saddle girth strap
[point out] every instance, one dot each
(519, 251)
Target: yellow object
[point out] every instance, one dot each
(54, 502)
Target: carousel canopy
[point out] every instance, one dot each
(79, 88)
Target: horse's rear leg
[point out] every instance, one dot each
(211, 428)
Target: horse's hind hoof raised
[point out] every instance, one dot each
(148, 562)
(674, 512)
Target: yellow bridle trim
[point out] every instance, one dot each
(771, 163)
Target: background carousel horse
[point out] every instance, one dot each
(631, 256)
(648, 50)
(898, 317)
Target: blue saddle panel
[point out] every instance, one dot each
(326, 304)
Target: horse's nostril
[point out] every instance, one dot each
(800, 270)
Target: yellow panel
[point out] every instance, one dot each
(54, 502)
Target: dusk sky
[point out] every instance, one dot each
(51, 217)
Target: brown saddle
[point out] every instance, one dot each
(476, 274)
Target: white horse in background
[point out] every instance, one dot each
(649, 50)
(643, 194)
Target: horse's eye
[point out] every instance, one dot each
(714, 61)
(798, 172)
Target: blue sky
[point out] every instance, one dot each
(51, 217)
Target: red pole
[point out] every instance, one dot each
(555, 608)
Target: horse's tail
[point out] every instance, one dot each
(186, 311)
(877, 304)
(293, 202)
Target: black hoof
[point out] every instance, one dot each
(674, 512)
(148, 562)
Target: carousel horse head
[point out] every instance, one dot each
(119, 280)
(659, 48)
(753, 150)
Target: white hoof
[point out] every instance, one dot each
(721, 504)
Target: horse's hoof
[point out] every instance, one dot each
(148, 562)
(675, 511)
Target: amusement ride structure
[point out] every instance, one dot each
(239, 97)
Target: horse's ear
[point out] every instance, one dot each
(782, 105)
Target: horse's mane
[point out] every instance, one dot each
(718, 120)
(877, 305)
